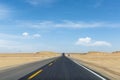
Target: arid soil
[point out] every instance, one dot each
(107, 64)
(8, 60)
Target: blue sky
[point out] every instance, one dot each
(59, 25)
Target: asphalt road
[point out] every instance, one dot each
(20, 71)
(62, 68)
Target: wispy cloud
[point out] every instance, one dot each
(9, 36)
(24, 35)
(87, 41)
(40, 2)
(15, 43)
(36, 35)
(68, 24)
(7, 43)
(16, 46)
(4, 11)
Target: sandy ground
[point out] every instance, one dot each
(105, 63)
(15, 59)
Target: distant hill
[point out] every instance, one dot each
(116, 52)
(46, 53)
(97, 53)
(42, 53)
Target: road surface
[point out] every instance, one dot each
(20, 71)
(63, 68)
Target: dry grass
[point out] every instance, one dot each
(10, 60)
(105, 63)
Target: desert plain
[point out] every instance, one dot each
(8, 60)
(107, 64)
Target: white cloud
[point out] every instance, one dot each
(25, 34)
(40, 2)
(84, 40)
(87, 41)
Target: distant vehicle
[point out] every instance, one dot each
(63, 54)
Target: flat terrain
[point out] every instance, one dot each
(15, 59)
(105, 63)
(17, 72)
(59, 68)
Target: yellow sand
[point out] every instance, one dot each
(105, 63)
(10, 60)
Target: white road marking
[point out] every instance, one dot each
(91, 71)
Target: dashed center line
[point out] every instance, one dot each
(38, 72)
(50, 64)
(35, 74)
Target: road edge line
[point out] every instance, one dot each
(90, 70)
